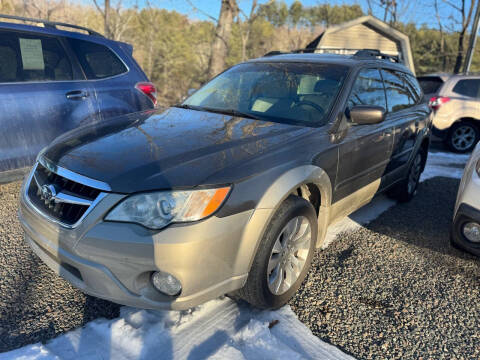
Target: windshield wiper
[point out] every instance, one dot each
(232, 112)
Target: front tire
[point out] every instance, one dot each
(283, 257)
(462, 137)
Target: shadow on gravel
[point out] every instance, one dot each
(35, 304)
(396, 288)
(425, 221)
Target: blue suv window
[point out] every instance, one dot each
(26, 57)
(98, 61)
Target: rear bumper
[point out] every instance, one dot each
(114, 261)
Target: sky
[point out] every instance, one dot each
(416, 11)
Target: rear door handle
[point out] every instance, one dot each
(77, 95)
(388, 132)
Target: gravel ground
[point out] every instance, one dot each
(396, 288)
(35, 304)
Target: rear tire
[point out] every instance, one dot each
(283, 257)
(406, 189)
(462, 137)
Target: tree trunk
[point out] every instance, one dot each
(106, 19)
(218, 55)
(459, 60)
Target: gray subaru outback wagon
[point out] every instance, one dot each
(231, 191)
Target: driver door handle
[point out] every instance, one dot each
(77, 95)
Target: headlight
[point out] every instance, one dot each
(156, 210)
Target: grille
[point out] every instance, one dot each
(69, 201)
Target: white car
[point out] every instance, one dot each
(455, 100)
(466, 224)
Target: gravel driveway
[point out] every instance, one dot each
(396, 289)
(393, 289)
(35, 304)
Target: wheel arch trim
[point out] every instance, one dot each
(273, 197)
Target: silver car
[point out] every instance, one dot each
(455, 100)
(466, 223)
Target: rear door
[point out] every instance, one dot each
(42, 95)
(366, 150)
(401, 101)
(113, 80)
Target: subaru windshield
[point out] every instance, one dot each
(295, 93)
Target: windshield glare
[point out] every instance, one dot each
(298, 93)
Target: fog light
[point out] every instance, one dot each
(471, 231)
(166, 283)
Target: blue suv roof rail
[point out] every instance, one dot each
(50, 24)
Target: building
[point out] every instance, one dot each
(366, 32)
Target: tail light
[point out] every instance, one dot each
(149, 90)
(437, 101)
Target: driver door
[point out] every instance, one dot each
(366, 150)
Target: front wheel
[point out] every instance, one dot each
(283, 257)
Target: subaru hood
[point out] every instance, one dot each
(167, 149)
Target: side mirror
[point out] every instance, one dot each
(367, 114)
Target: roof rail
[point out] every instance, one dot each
(50, 24)
(375, 53)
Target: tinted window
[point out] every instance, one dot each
(25, 57)
(414, 86)
(468, 88)
(398, 95)
(430, 84)
(98, 61)
(368, 89)
(298, 93)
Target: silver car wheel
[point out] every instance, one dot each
(463, 137)
(289, 255)
(415, 173)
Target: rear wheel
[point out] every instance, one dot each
(462, 137)
(406, 189)
(283, 257)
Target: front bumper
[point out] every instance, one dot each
(114, 261)
(465, 214)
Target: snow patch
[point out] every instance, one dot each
(219, 329)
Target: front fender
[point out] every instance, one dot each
(272, 199)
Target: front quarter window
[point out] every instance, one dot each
(297, 93)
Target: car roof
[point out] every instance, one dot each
(55, 32)
(345, 60)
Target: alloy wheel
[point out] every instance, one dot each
(289, 255)
(463, 137)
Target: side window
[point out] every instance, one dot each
(368, 89)
(398, 95)
(98, 61)
(468, 88)
(10, 70)
(27, 57)
(415, 86)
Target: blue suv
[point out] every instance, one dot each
(53, 80)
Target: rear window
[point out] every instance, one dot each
(98, 61)
(26, 57)
(468, 88)
(430, 84)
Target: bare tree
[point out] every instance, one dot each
(466, 16)
(115, 19)
(246, 27)
(228, 12)
(442, 37)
